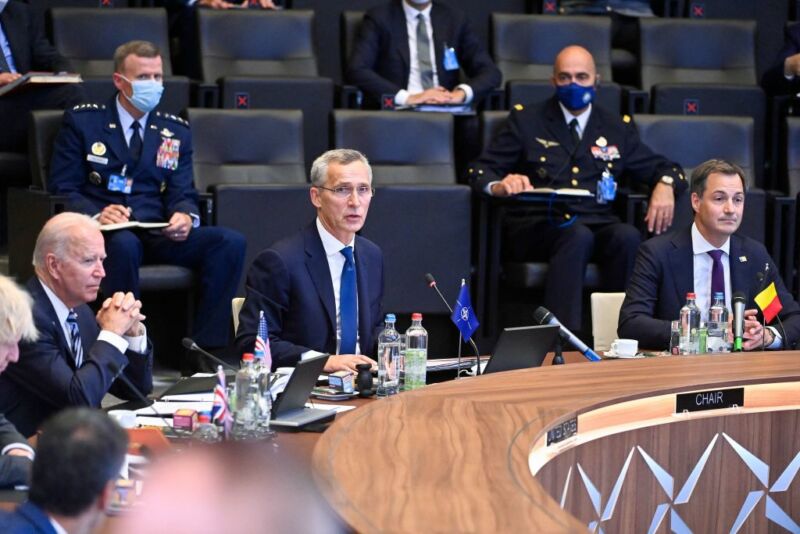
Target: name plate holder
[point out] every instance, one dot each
(713, 399)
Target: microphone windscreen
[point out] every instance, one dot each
(541, 315)
(739, 296)
(429, 278)
(187, 343)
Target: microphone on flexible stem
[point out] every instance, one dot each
(140, 396)
(432, 284)
(543, 316)
(189, 344)
(738, 320)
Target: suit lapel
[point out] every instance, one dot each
(46, 308)
(115, 137)
(741, 279)
(400, 33)
(150, 142)
(557, 127)
(439, 23)
(364, 313)
(682, 264)
(317, 265)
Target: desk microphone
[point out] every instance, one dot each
(738, 320)
(543, 316)
(140, 396)
(432, 284)
(189, 344)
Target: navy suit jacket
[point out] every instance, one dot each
(91, 141)
(291, 282)
(45, 379)
(26, 519)
(664, 273)
(30, 49)
(380, 62)
(774, 81)
(14, 470)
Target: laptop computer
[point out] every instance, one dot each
(289, 410)
(521, 348)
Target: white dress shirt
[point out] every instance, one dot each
(414, 77)
(583, 118)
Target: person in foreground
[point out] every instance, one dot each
(16, 323)
(79, 354)
(321, 289)
(78, 459)
(569, 141)
(129, 161)
(695, 259)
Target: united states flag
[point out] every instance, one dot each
(262, 351)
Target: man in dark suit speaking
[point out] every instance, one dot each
(414, 50)
(321, 289)
(706, 255)
(78, 355)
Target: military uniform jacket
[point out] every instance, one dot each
(536, 142)
(90, 150)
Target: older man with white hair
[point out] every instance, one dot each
(79, 354)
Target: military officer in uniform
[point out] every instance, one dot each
(569, 142)
(123, 162)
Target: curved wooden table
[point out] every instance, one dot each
(461, 456)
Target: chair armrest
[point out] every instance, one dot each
(348, 96)
(635, 100)
(205, 95)
(206, 204)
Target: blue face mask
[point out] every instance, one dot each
(575, 96)
(146, 94)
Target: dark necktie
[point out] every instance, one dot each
(75, 342)
(717, 274)
(573, 130)
(347, 304)
(135, 147)
(424, 53)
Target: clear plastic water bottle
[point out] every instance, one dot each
(205, 431)
(718, 325)
(246, 415)
(690, 322)
(389, 359)
(416, 360)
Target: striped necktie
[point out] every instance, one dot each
(75, 342)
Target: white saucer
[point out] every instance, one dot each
(611, 354)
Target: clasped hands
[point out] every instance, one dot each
(121, 314)
(437, 95)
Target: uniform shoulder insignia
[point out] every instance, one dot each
(519, 107)
(626, 119)
(175, 118)
(89, 107)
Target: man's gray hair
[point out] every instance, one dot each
(342, 156)
(56, 235)
(16, 318)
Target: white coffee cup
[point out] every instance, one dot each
(625, 347)
(125, 418)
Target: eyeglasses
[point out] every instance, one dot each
(346, 191)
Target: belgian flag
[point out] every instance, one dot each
(769, 303)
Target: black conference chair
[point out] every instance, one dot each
(89, 36)
(690, 141)
(263, 59)
(29, 209)
(398, 216)
(263, 214)
(704, 67)
(403, 148)
(256, 146)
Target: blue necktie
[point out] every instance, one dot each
(75, 342)
(135, 147)
(347, 304)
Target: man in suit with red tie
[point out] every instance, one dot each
(321, 289)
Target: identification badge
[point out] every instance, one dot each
(96, 159)
(120, 184)
(168, 154)
(606, 188)
(450, 59)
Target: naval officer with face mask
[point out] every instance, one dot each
(570, 142)
(127, 161)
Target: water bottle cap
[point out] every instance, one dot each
(248, 357)
(416, 316)
(390, 318)
(719, 295)
(691, 296)
(204, 417)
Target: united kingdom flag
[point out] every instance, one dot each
(262, 350)
(220, 410)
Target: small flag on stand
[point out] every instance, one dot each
(463, 314)
(262, 350)
(221, 410)
(769, 303)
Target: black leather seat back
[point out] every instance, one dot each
(403, 148)
(247, 147)
(351, 22)
(256, 43)
(525, 46)
(793, 155)
(44, 126)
